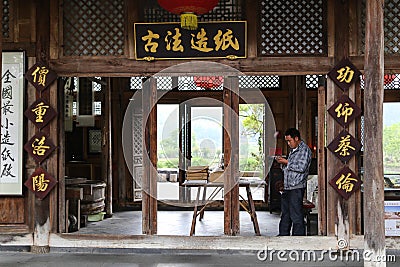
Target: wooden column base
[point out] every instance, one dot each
(40, 249)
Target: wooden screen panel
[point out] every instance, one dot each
(12, 210)
(293, 28)
(390, 24)
(94, 27)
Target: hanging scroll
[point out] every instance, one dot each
(12, 99)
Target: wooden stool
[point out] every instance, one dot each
(307, 207)
(73, 197)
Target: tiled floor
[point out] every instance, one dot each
(179, 222)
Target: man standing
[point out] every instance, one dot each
(295, 171)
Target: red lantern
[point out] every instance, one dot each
(208, 82)
(188, 9)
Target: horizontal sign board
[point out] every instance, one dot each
(210, 40)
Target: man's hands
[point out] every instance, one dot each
(281, 160)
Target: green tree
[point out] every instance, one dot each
(391, 147)
(169, 147)
(252, 119)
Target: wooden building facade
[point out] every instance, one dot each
(295, 42)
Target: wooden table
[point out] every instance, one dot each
(247, 205)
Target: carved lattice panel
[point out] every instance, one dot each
(226, 10)
(391, 25)
(93, 27)
(269, 82)
(137, 155)
(137, 129)
(136, 83)
(393, 83)
(293, 27)
(260, 82)
(312, 81)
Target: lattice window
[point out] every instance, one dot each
(391, 27)
(96, 87)
(97, 103)
(137, 129)
(136, 83)
(74, 108)
(97, 84)
(362, 141)
(164, 83)
(188, 82)
(6, 20)
(260, 82)
(97, 108)
(312, 81)
(389, 83)
(226, 10)
(94, 27)
(293, 27)
(391, 22)
(137, 155)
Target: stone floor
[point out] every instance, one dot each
(161, 260)
(179, 223)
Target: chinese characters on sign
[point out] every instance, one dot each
(40, 76)
(12, 95)
(345, 182)
(40, 113)
(211, 40)
(344, 146)
(40, 183)
(39, 147)
(344, 74)
(344, 111)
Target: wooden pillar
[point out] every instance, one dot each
(133, 8)
(342, 219)
(374, 231)
(58, 101)
(107, 149)
(290, 84)
(119, 103)
(149, 182)
(301, 106)
(321, 158)
(1, 43)
(252, 26)
(184, 145)
(333, 201)
(231, 156)
(45, 211)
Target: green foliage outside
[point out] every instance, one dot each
(252, 119)
(391, 148)
(251, 116)
(251, 156)
(168, 153)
